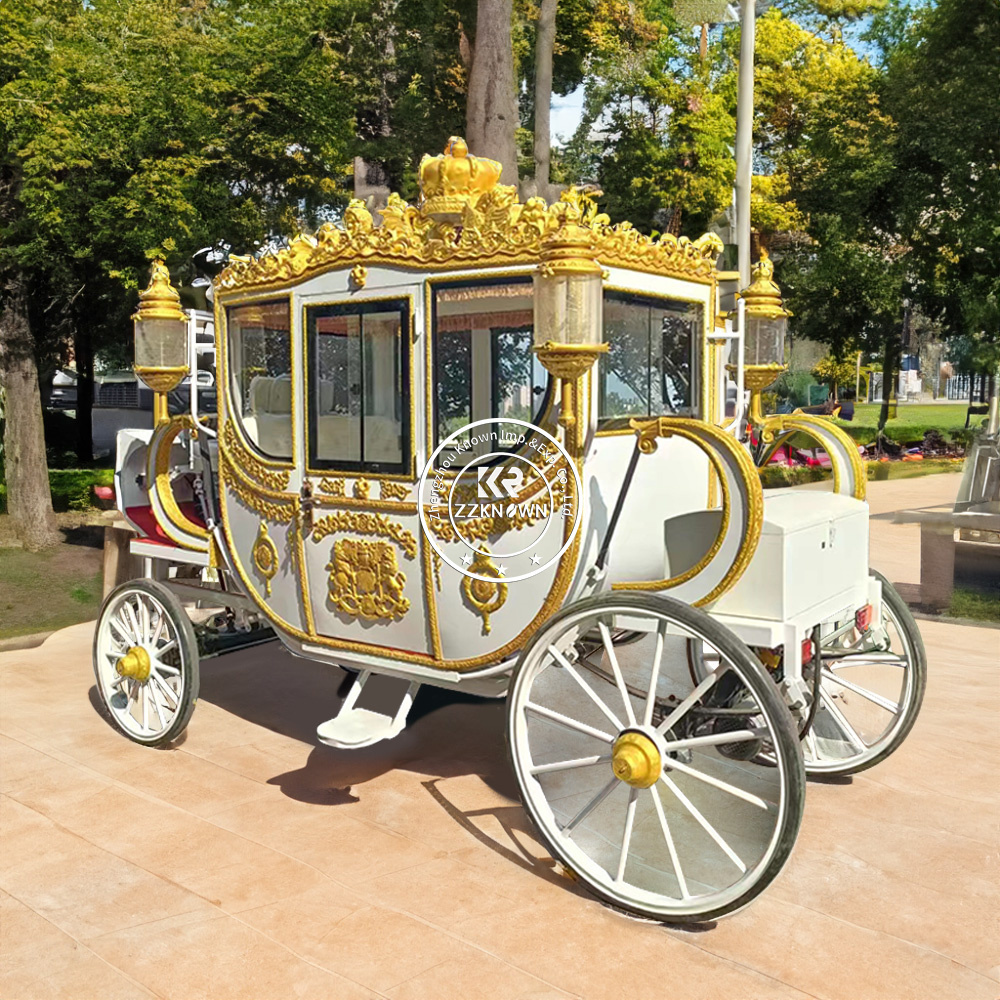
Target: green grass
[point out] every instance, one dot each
(44, 591)
(72, 489)
(974, 604)
(911, 422)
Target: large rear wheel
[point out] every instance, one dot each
(643, 782)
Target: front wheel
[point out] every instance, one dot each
(642, 781)
(146, 662)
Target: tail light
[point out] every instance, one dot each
(808, 650)
(863, 618)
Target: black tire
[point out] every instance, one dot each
(765, 696)
(177, 675)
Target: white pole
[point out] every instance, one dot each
(744, 138)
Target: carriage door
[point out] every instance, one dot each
(363, 571)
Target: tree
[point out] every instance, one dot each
(834, 373)
(492, 113)
(545, 40)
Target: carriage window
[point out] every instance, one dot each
(483, 362)
(648, 369)
(359, 411)
(260, 374)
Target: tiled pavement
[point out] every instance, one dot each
(249, 862)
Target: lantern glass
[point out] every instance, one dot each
(161, 343)
(568, 308)
(765, 340)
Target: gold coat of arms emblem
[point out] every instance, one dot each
(365, 580)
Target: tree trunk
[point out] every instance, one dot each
(545, 40)
(889, 357)
(29, 499)
(491, 106)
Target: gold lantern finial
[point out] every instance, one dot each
(160, 339)
(762, 296)
(159, 300)
(455, 180)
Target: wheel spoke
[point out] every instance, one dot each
(850, 733)
(567, 765)
(145, 706)
(627, 833)
(865, 660)
(654, 675)
(714, 739)
(694, 696)
(587, 689)
(812, 745)
(121, 626)
(166, 668)
(133, 623)
(671, 848)
(590, 806)
(723, 786)
(875, 699)
(144, 620)
(565, 720)
(160, 622)
(702, 822)
(166, 689)
(157, 707)
(166, 647)
(609, 648)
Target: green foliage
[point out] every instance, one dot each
(974, 604)
(834, 373)
(72, 489)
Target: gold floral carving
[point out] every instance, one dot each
(485, 596)
(365, 580)
(467, 218)
(271, 507)
(265, 557)
(252, 468)
(361, 489)
(332, 487)
(364, 523)
(388, 490)
(359, 276)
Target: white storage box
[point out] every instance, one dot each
(812, 559)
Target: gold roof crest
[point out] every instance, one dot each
(454, 180)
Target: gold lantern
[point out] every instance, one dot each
(161, 343)
(764, 338)
(568, 304)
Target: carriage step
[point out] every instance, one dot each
(387, 704)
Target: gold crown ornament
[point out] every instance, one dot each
(454, 180)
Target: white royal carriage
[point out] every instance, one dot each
(677, 651)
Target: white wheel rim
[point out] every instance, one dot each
(865, 697)
(703, 834)
(143, 709)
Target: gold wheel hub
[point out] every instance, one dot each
(636, 760)
(134, 664)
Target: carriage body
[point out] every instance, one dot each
(348, 359)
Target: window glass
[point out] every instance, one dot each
(358, 386)
(648, 368)
(260, 374)
(483, 361)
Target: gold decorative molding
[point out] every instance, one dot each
(332, 487)
(361, 489)
(270, 505)
(253, 468)
(365, 580)
(463, 220)
(388, 490)
(365, 523)
(359, 276)
(265, 557)
(485, 596)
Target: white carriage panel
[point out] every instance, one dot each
(396, 616)
(671, 481)
(244, 525)
(339, 283)
(813, 554)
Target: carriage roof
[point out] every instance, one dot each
(465, 219)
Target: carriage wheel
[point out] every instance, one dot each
(638, 779)
(146, 662)
(870, 692)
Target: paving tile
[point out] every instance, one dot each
(478, 977)
(83, 890)
(219, 958)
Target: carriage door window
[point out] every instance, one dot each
(359, 410)
(483, 362)
(648, 368)
(260, 374)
